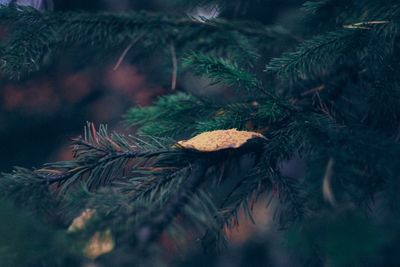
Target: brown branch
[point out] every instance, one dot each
(125, 52)
(327, 183)
(313, 90)
(174, 67)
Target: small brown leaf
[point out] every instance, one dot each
(80, 222)
(218, 140)
(100, 243)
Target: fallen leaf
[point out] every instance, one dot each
(80, 222)
(218, 140)
(101, 243)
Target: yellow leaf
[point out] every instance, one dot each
(80, 222)
(218, 140)
(101, 243)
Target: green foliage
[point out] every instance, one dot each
(245, 116)
(171, 116)
(27, 189)
(27, 241)
(220, 70)
(318, 54)
(179, 114)
(331, 103)
(25, 50)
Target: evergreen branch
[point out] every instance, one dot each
(260, 179)
(180, 114)
(247, 116)
(221, 71)
(151, 231)
(293, 206)
(100, 157)
(49, 178)
(135, 198)
(243, 196)
(228, 73)
(24, 52)
(171, 115)
(322, 7)
(335, 13)
(316, 55)
(25, 188)
(202, 212)
(314, 6)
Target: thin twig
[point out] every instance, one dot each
(125, 52)
(313, 90)
(174, 67)
(364, 25)
(327, 183)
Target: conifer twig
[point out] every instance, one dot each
(125, 52)
(151, 232)
(174, 67)
(54, 178)
(327, 186)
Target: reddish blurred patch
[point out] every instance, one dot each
(246, 228)
(98, 94)
(37, 96)
(129, 82)
(76, 86)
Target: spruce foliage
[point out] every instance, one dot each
(324, 91)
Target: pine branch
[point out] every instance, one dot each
(151, 231)
(172, 115)
(221, 71)
(247, 116)
(314, 6)
(25, 188)
(100, 160)
(183, 114)
(315, 56)
(25, 49)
